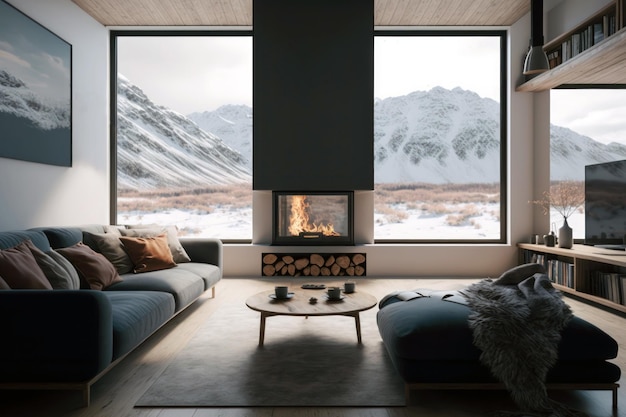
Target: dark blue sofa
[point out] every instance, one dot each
(68, 339)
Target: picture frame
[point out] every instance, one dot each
(35, 91)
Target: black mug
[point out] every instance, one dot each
(549, 239)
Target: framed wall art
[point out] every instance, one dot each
(35, 91)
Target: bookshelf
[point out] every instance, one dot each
(593, 52)
(594, 274)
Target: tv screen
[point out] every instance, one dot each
(605, 204)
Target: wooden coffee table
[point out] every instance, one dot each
(299, 305)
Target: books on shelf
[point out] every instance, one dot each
(560, 272)
(583, 39)
(609, 285)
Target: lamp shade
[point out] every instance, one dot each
(536, 61)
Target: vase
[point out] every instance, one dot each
(565, 235)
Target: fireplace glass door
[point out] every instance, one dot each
(312, 218)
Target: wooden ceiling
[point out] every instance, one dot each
(239, 12)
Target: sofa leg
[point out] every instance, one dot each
(213, 292)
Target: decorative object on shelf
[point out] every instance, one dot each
(536, 60)
(565, 197)
(549, 239)
(565, 235)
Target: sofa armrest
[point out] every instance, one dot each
(54, 335)
(204, 249)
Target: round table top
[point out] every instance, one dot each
(299, 305)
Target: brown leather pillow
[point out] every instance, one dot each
(19, 269)
(148, 253)
(93, 268)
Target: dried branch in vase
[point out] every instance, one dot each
(565, 197)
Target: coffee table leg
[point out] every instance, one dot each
(262, 329)
(357, 321)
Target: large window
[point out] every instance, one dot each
(587, 126)
(439, 136)
(184, 131)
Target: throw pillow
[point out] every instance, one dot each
(178, 252)
(73, 282)
(519, 273)
(93, 268)
(57, 275)
(4, 285)
(111, 247)
(19, 269)
(148, 253)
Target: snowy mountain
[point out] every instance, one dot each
(437, 136)
(17, 100)
(569, 151)
(159, 148)
(232, 123)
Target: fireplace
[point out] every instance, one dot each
(312, 218)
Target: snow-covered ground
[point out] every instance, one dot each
(237, 224)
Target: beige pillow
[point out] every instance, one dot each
(178, 252)
(148, 253)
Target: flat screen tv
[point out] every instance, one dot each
(605, 205)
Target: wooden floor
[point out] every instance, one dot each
(116, 393)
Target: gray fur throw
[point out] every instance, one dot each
(517, 326)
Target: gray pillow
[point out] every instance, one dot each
(58, 276)
(73, 282)
(111, 247)
(519, 273)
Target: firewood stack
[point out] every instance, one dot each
(314, 264)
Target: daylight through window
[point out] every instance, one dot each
(184, 133)
(439, 140)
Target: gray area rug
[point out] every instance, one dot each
(304, 362)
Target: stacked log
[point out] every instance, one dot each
(314, 264)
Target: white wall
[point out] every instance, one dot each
(40, 195)
(33, 194)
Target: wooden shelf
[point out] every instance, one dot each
(586, 259)
(601, 64)
(604, 63)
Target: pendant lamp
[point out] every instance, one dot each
(536, 61)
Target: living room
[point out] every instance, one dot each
(42, 195)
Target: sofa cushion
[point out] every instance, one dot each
(183, 285)
(429, 328)
(211, 274)
(178, 252)
(136, 315)
(20, 270)
(110, 245)
(93, 268)
(148, 253)
(10, 239)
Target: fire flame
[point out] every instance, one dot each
(299, 220)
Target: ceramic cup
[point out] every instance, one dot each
(349, 287)
(334, 293)
(281, 291)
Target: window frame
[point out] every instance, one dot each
(113, 37)
(504, 70)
